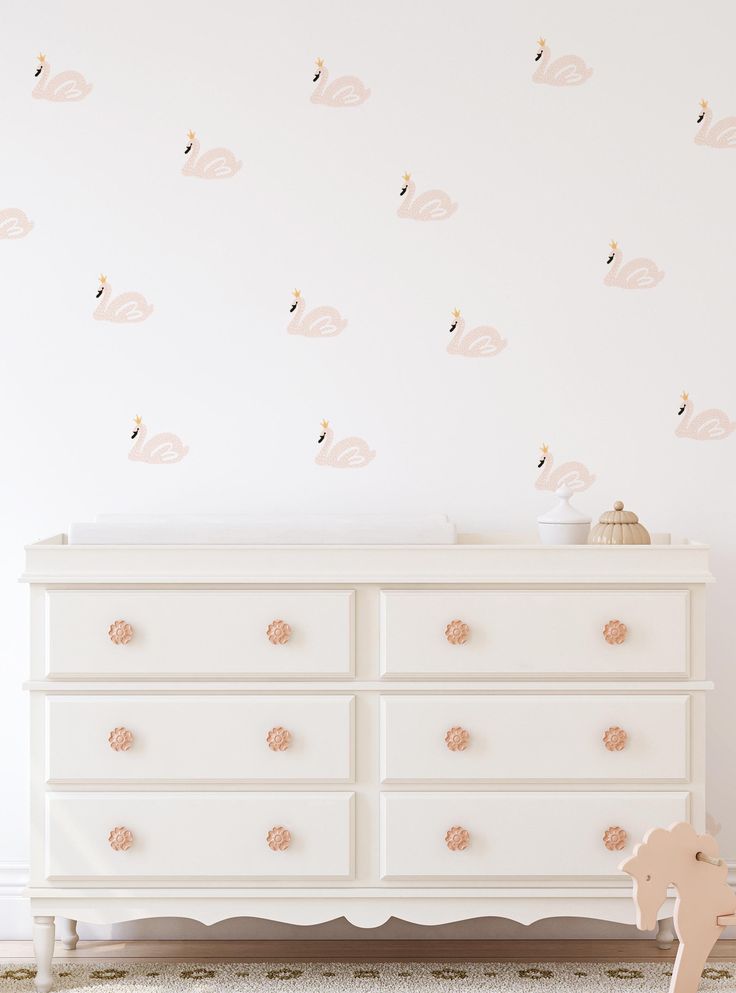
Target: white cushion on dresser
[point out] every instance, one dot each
(200, 631)
(534, 631)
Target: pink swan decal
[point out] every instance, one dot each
(218, 163)
(127, 308)
(345, 91)
(639, 274)
(322, 322)
(567, 70)
(479, 343)
(14, 224)
(574, 475)
(708, 425)
(162, 449)
(722, 134)
(62, 87)
(349, 453)
(434, 205)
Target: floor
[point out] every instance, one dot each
(364, 950)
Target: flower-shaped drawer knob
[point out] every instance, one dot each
(457, 632)
(278, 632)
(457, 739)
(615, 738)
(120, 739)
(615, 632)
(278, 839)
(278, 739)
(120, 632)
(120, 839)
(457, 839)
(615, 838)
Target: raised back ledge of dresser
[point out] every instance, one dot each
(476, 558)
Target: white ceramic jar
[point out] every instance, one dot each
(563, 524)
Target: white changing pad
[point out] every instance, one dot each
(209, 529)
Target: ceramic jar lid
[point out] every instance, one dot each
(619, 527)
(562, 512)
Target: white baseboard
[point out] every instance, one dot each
(15, 920)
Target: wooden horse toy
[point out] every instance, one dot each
(705, 902)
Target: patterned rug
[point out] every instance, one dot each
(315, 977)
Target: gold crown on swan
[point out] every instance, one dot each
(684, 397)
(325, 424)
(613, 245)
(544, 449)
(191, 135)
(319, 63)
(703, 104)
(102, 279)
(456, 312)
(406, 177)
(541, 42)
(296, 294)
(138, 419)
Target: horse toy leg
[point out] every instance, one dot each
(705, 903)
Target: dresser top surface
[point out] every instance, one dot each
(474, 559)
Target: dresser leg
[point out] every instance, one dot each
(43, 946)
(68, 933)
(665, 933)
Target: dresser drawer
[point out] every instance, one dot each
(524, 736)
(203, 738)
(517, 834)
(533, 631)
(191, 835)
(203, 632)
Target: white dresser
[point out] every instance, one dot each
(301, 733)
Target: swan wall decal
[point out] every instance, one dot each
(638, 274)
(478, 343)
(573, 475)
(161, 449)
(432, 205)
(345, 91)
(348, 453)
(217, 163)
(127, 308)
(708, 425)
(64, 87)
(321, 322)
(567, 70)
(722, 134)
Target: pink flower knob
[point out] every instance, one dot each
(278, 632)
(120, 839)
(615, 632)
(120, 632)
(120, 739)
(457, 739)
(278, 739)
(457, 632)
(278, 839)
(457, 839)
(615, 738)
(615, 839)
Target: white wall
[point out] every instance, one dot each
(544, 177)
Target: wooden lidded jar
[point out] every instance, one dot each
(619, 527)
